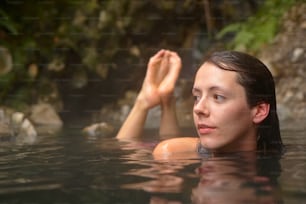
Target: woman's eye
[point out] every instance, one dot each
(196, 98)
(219, 98)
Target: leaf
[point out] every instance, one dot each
(228, 29)
(244, 38)
(7, 23)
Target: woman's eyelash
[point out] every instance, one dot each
(216, 97)
(219, 97)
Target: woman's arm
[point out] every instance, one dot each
(169, 124)
(157, 89)
(134, 123)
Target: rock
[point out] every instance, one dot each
(26, 134)
(297, 53)
(23, 130)
(125, 109)
(153, 118)
(283, 113)
(46, 119)
(15, 128)
(6, 61)
(98, 129)
(16, 120)
(45, 114)
(56, 65)
(4, 128)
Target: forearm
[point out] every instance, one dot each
(134, 123)
(169, 124)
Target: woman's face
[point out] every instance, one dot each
(223, 119)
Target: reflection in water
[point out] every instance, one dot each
(161, 176)
(237, 178)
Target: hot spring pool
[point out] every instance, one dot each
(71, 168)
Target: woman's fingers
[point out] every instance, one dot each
(175, 65)
(175, 60)
(163, 68)
(153, 66)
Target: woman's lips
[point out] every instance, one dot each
(205, 129)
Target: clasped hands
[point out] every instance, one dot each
(159, 83)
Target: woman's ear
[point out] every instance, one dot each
(260, 112)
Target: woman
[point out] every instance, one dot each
(234, 108)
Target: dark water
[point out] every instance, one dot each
(72, 168)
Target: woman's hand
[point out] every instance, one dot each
(162, 73)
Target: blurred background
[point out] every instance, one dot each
(84, 60)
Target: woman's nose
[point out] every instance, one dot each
(201, 107)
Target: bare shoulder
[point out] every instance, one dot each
(176, 145)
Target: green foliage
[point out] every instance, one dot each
(257, 29)
(7, 23)
(112, 39)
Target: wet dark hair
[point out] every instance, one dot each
(259, 86)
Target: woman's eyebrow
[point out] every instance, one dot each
(195, 90)
(214, 88)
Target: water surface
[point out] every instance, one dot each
(71, 168)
